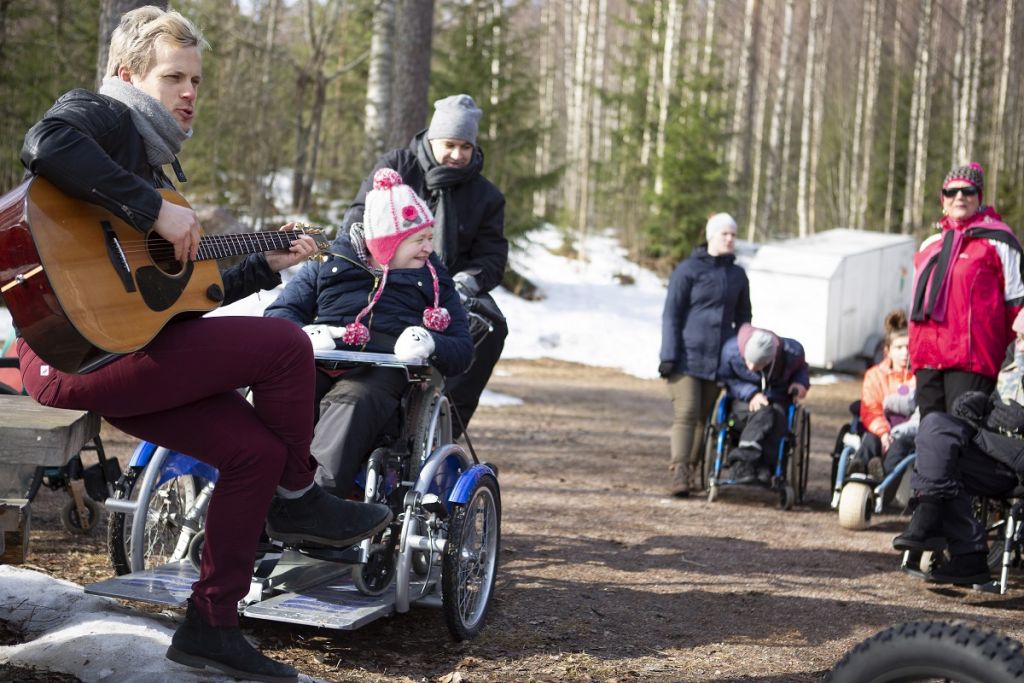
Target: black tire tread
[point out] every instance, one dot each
(959, 650)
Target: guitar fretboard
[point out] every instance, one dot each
(222, 246)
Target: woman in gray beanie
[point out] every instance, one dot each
(443, 164)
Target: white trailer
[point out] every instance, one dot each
(831, 291)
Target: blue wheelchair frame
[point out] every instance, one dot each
(719, 428)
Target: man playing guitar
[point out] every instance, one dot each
(179, 389)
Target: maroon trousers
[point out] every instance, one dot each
(181, 393)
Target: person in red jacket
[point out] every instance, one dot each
(967, 291)
(887, 403)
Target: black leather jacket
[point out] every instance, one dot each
(87, 146)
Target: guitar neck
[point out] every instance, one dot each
(213, 247)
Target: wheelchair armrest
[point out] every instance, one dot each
(349, 359)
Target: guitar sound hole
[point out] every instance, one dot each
(161, 253)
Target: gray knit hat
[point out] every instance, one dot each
(973, 173)
(758, 346)
(456, 117)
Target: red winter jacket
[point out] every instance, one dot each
(975, 332)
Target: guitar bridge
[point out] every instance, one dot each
(117, 257)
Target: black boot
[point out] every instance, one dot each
(199, 645)
(925, 529)
(319, 517)
(963, 570)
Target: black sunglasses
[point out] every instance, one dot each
(950, 192)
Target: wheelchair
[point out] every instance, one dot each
(440, 550)
(1004, 532)
(789, 477)
(857, 496)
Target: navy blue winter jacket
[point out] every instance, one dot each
(708, 299)
(789, 367)
(333, 292)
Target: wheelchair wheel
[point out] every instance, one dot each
(799, 456)
(374, 577)
(166, 509)
(931, 650)
(430, 423)
(470, 560)
(837, 450)
(71, 518)
(856, 503)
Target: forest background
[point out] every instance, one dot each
(642, 116)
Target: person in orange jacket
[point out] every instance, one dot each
(887, 404)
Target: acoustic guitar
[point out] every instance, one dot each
(82, 285)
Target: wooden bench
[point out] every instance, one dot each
(32, 436)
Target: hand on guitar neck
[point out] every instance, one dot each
(302, 248)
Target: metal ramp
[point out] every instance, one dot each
(305, 591)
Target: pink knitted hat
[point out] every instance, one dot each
(393, 212)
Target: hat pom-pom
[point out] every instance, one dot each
(386, 178)
(976, 166)
(355, 334)
(436, 318)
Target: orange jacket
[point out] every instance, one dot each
(880, 381)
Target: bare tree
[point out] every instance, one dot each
(414, 27)
(741, 119)
(999, 125)
(757, 143)
(873, 64)
(668, 77)
(774, 180)
(920, 106)
(810, 60)
(378, 83)
(111, 12)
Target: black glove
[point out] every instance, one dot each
(666, 367)
(1006, 417)
(971, 406)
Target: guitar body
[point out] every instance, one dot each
(82, 285)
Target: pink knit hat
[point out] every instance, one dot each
(393, 212)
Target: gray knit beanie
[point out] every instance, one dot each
(456, 117)
(757, 346)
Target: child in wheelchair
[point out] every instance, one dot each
(977, 451)
(764, 374)
(380, 289)
(887, 405)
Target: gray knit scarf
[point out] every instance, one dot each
(160, 132)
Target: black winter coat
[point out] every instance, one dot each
(482, 247)
(88, 147)
(333, 292)
(708, 299)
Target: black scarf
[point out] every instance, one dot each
(441, 180)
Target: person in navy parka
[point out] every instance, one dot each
(763, 374)
(708, 298)
(381, 289)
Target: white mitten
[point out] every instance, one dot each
(323, 336)
(414, 344)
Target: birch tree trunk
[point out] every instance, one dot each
(647, 144)
(760, 113)
(919, 115)
(874, 64)
(545, 104)
(974, 89)
(599, 133)
(410, 81)
(810, 60)
(850, 170)
(773, 182)
(577, 113)
(378, 82)
(894, 117)
(998, 144)
(741, 113)
(709, 46)
(961, 72)
(668, 77)
(258, 201)
(821, 75)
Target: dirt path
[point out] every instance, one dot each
(604, 578)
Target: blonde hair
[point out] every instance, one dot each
(132, 42)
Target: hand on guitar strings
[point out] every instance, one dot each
(179, 225)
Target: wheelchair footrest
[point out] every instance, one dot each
(169, 585)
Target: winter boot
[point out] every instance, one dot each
(680, 485)
(319, 517)
(963, 570)
(925, 529)
(225, 649)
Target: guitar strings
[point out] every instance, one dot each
(270, 240)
